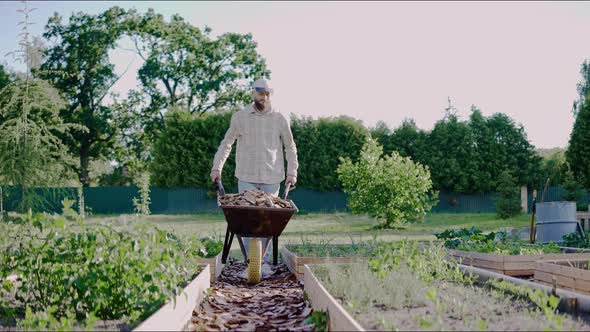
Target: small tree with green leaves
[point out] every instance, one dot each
(393, 189)
(508, 202)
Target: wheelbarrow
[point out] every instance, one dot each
(257, 222)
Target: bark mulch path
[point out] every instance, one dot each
(275, 304)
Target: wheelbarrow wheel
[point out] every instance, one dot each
(254, 261)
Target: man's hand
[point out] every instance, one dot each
(291, 179)
(215, 175)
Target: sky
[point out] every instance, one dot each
(387, 61)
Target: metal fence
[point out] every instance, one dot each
(116, 200)
(553, 194)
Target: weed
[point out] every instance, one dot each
(319, 319)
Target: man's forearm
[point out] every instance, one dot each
(225, 146)
(292, 162)
(221, 156)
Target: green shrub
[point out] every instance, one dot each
(393, 188)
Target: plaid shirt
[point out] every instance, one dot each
(259, 153)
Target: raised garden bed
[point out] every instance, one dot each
(492, 251)
(321, 300)
(215, 265)
(176, 315)
(295, 256)
(512, 265)
(411, 289)
(566, 274)
(91, 276)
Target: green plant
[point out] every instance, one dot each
(67, 209)
(94, 269)
(454, 237)
(544, 302)
(32, 152)
(46, 321)
(472, 239)
(320, 320)
(212, 247)
(393, 188)
(142, 204)
(577, 240)
(510, 249)
(81, 205)
(324, 248)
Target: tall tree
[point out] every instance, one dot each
(31, 153)
(184, 69)
(197, 72)
(5, 78)
(578, 152)
(583, 86)
(499, 144)
(408, 140)
(320, 143)
(80, 47)
(449, 154)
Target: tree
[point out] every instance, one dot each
(408, 140)
(319, 145)
(184, 69)
(391, 188)
(5, 78)
(508, 202)
(183, 153)
(468, 156)
(382, 134)
(573, 190)
(197, 73)
(31, 153)
(554, 167)
(583, 87)
(450, 155)
(498, 145)
(80, 48)
(578, 152)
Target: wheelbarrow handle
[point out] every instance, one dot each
(288, 188)
(219, 187)
(221, 190)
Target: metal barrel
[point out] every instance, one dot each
(555, 211)
(555, 219)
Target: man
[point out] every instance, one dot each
(260, 131)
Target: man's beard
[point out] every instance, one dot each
(262, 107)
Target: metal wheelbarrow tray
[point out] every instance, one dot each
(255, 222)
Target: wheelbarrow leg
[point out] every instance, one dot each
(266, 246)
(227, 245)
(243, 248)
(275, 250)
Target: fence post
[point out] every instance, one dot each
(1, 203)
(524, 199)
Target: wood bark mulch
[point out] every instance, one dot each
(274, 304)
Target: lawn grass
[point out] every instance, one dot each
(333, 227)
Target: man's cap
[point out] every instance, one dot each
(262, 85)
